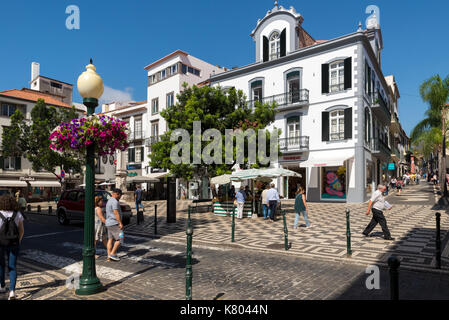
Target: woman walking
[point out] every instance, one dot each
(100, 228)
(301, 207)
(11, 234)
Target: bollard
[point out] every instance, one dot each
(29, 208)
(233, 222)
(39, 209)
(285, 231)
(348, 235)
(189, 274)
(155, 219)
(394, 264)
(189, 222)
(438, 241)
(50, 209)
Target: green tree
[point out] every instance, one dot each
(434, 91)
(216, 108)
(30, 139)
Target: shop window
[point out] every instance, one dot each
(333, 183)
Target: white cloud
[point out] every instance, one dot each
(115, 95)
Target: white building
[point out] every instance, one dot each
(165, 79)
(334, 104)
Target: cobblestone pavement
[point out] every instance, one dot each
(411, 222)
(154, 269)
(256, 266)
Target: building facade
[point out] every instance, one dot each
(166, 77)
(334, 105)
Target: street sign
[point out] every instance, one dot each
(62, 174)
(391, 166)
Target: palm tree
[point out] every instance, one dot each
(434, 91)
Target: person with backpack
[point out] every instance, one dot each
(11, 235)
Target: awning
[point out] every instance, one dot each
(12, 183)
(153, 177)
(334, 158)
(43, 183)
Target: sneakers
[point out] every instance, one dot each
(12, 295)
(389, 239)
(3, 289)
(114, 258)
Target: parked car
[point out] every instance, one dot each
(71, 206)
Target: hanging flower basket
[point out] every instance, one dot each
(107, 133)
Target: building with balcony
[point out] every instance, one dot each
(333, 104)
(166, 77)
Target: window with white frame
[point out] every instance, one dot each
(337, 76)
(174, 69)
(9, 163)
(163, 74)
(257, 90)
(138, 129)
(155, 106)
(138, 155)
(8, 109)
(337, 125)
(170, 99)
(275, 45)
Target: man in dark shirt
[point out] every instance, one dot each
(138, 195)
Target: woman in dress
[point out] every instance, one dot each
(301, 207)
(100, 228)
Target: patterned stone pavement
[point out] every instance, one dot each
(411, 222)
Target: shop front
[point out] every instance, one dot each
(290, 184)
(328, 176)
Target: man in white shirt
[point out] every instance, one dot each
(272, 200)
(377, 205)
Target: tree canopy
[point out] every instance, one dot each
(30, 139)
(215, 108)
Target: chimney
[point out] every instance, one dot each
(35, 70)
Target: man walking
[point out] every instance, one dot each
(266, 211)
(138, 195)
(240, 198)
(114, 224)
(377, 205)
(272, 201)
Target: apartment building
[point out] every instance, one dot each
(166, 77)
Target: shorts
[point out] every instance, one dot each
(114, 232)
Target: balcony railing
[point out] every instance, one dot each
(285, 100)
(152, 140)
(378, 146)
(294, 144)
(378, 100)
(136, 135)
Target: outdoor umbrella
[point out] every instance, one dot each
(223, 179)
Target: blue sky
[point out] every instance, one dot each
(124, 36)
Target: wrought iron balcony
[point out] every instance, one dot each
(380, 147)
(380, 107)
(136, 135)
(294, 144)
(285, 100)
(152, 140)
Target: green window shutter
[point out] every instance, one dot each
(348, 123)
(18, 164)
(348, 73)
(142, 155)
(2, 162)
(283, 43)
(325, 126)
(325, 78)
(265, 49)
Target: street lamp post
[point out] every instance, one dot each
(90, 87)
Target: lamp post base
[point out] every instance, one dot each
(94, 286)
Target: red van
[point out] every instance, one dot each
(71, 206)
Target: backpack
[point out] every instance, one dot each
(9, 231)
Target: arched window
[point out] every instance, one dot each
(337, 125)
(337, 76)
(275, 45)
